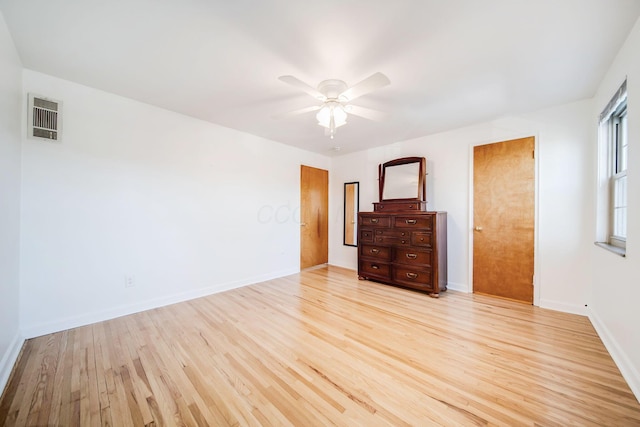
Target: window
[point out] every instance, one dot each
(619, 177)
(613, 161)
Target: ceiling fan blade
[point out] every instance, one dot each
(295, 82)
(371, 83)
(367, 113)
(296, 112)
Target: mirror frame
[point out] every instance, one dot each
(422, 182)
(354, 221)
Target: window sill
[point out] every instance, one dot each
(614, 249)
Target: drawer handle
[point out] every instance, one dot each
(411, 221)
(374, 220)
(375, 250)
(412, 275)
(410, 206)
(404, 242)
(375, 267)
(412, 256)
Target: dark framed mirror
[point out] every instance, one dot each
(403, 179)
(351, 208)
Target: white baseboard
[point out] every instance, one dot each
(459, 287)
(36, 330)
(629, 371)
(564, 307)
(348, 266)
(9, 359)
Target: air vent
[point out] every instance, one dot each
(45, 119)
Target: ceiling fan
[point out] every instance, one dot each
(335, 98)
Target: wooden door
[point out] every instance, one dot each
(503, 217)
(314, 217)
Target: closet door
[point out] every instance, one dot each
(504, 219)
(314, 216)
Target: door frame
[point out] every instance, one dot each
(536, 221)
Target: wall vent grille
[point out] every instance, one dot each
(45, 118)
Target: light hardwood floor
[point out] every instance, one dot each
(322, 348)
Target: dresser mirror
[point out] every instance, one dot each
(403, 179)
(351, 207)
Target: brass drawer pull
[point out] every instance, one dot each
(411, 221)
(375, 250)
(412, 256)
(412, 275)
(374, 220)
(375, 267)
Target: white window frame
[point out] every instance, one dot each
(613, 159)
(618, 179)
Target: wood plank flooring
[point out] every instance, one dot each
(323, 348)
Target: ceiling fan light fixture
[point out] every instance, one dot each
(332, 112)
(335, 96)
(339, 116)
(324, 116)
(332, 115)
(328, 112)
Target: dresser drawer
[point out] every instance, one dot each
(366, 236)
(414, 221)
(390, 232)
(374, 268)
(414, 277)
(375, 221)
(399, 206)
(392, 239)
(422, 238)
(382, 253)
(413, 257)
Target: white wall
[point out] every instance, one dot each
(184, 206)
(616, 281)
(10, 108)
(565, 198)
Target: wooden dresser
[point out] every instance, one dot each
(406, 249)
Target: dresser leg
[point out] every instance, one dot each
(433, 295)
(362, 278)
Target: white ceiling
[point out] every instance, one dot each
(451, 63)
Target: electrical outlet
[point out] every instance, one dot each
(129, 281)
